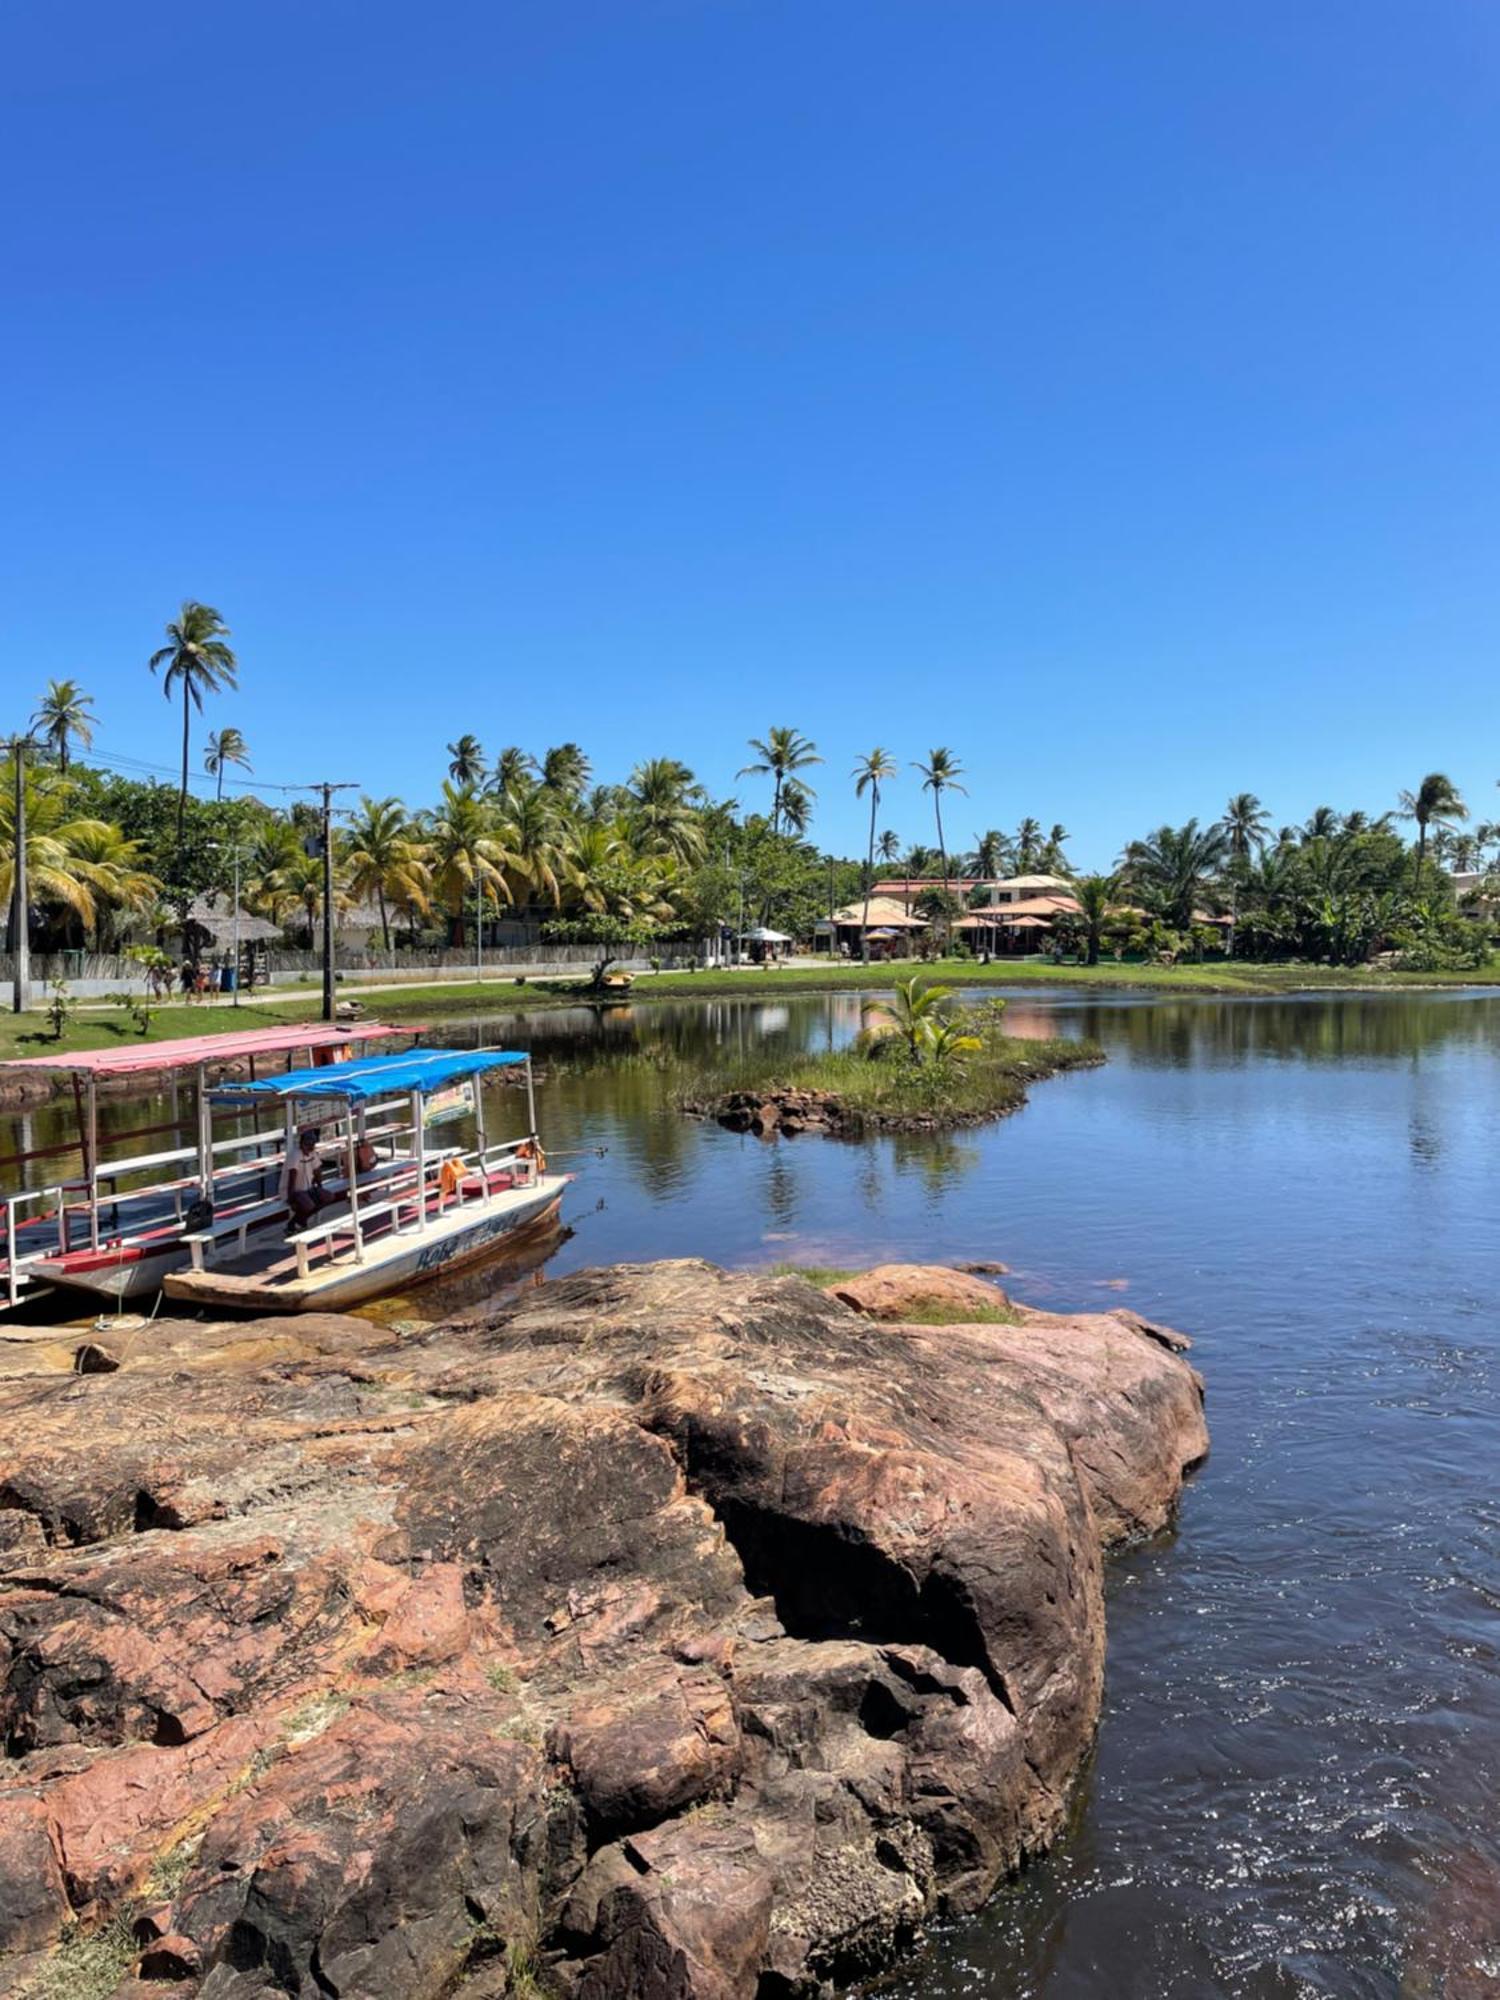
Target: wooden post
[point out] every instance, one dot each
(420, 1142)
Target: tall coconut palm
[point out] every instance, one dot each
(664, 798)
(940, 774)
(1321, 824)
(514, 770)
(197, 659)
(528, 833)
(1052, 855)
(796, 807)
(1096, 899)
(1028, 844)
(1173, 867)
(876, 768)
(781, 754)
(273, 867)
(383, 857)
(465, 855)
(990, 857)
(888, 847)
(466, 761)
(566, 771)
(1435, 802)
(225, 746)
(1246, 825)
(64, 713)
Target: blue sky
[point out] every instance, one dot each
(1108, 391)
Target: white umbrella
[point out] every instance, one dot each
(761, 935)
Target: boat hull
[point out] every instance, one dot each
(390, 1264)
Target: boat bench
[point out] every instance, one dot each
(238, 1224)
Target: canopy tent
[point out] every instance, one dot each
(370, 1077)
(763, 934)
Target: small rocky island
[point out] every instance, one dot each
(663, 1632)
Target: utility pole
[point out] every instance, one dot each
(20, 943)
(326, 792)
(235, 961)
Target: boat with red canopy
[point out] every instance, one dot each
(115, 1226)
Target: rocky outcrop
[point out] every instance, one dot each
(662, 1632)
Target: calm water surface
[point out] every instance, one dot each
(1297, 1782)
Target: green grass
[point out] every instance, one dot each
(888, 1090)
(821, 1275)
(96, 1026)
(943, 1312)
(87, 1965)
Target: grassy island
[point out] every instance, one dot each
(920, 1065)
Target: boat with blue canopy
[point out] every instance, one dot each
(393, 1199)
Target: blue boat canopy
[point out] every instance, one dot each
(373, 1076)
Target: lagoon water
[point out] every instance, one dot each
(1297, 1783)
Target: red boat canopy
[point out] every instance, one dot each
(190, 1050)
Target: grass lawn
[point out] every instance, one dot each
(98, 1026)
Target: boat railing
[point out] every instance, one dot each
(419, 1188)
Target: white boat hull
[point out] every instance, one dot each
(390, 1263)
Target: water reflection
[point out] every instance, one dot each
(1295, 1780)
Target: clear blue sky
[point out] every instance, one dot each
(1106, 390)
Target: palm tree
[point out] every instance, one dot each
(796, 807)
(876, 768)
(466, 761)
(991, 855)
(1052, 856)
(527, 831)
(782, 754)
(1322, 824)
(1028, 845)
(114, 869)
(225, 746)
(59, 869)
(566, 771)
(1096, 897)
(888, 847)
(940, 774)
(199, 661)
(1245, 824)
(664, 798)
(65, 711)
(923, 1017)
(514, 770)
(1435, 802)
(273, 867)
(466, 857)
(1173, 867)
(383, 857)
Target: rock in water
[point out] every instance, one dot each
(665, 1632)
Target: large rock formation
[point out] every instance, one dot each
(665, 1632)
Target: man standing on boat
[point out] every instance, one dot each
(305, 1193)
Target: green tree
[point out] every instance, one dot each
(888, 847)
(1096, 896)
(566, 771)
(991, 856)
(198, 660)
(1435, 802)
(1028, 845)
(876, 768)
(781, 754)
(64, 714)
(663, 812)
(941, 773)
(466, 761)
(383, 857)
(921, 1015)
(225, 746)
(1246, 825)
(466, 858)
(1173, 867)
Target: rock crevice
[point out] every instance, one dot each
(664, 1631)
